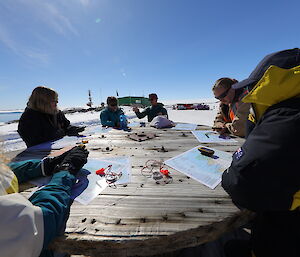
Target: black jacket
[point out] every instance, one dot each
(152, 111)
(264, 176)
(37, 127)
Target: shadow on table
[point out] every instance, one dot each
(30, 154)
(211, 249)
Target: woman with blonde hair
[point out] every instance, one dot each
(29, 225)
(42, 121)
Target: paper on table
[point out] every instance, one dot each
(87, 185)
(204, 169)
(97, 129)
(133, 124)
(58, 144)
(126, 170)
(129, 117)
(185, 126)
(208, 136)
(93, 188)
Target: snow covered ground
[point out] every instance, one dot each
(11, 140)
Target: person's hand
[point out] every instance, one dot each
(73, 130)
(74, 160)
(219, 127)
(135, 109)
(222, 130)
(80, 129)
(49, 163)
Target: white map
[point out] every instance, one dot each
(134, 124)
(58, 144)
(96, 183)
(185, 126)
(208, 136)
(98, 129)
(126, 168)
(89, 185)
(206, 170)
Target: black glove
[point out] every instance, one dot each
(49, 163)
(74, 160)
(73, 130)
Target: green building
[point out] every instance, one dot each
(134, 100)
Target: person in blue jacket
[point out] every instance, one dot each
(29, 225)
(110, 116)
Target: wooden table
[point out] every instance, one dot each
(144, 218)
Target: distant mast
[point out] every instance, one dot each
(90, 103)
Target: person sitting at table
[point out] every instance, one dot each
(42, 121)
(29, 225)
(233, 113)
(110, 116)
(156, 109)
(264, 173)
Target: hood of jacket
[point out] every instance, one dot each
(275, 86)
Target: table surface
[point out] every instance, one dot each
(144, 218)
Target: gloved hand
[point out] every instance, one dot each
(73, 130)
(49, 163)
(74, 160)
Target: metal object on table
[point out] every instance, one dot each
(141, 136)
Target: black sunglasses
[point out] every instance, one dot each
(112, 105)
(224, 94)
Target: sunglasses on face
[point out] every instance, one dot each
(223, 95)
(113, 105)
(152, 99)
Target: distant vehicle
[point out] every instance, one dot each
(202, 107)
(185, 106)
(181, 107)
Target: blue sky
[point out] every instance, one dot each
(177, 48)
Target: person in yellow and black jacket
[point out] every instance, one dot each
(233, 113)
(264, 175)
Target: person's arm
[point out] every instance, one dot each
(263, 175)
(105, 120)
(26, 170)
(219, 121)
(164, 112)
(238, 125)
(54, 200)
(142, 114)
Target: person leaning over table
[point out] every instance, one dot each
(42, 121)
(156, 109)
(233, 113)
(110, 116)
(264, 175)
(29, 225)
